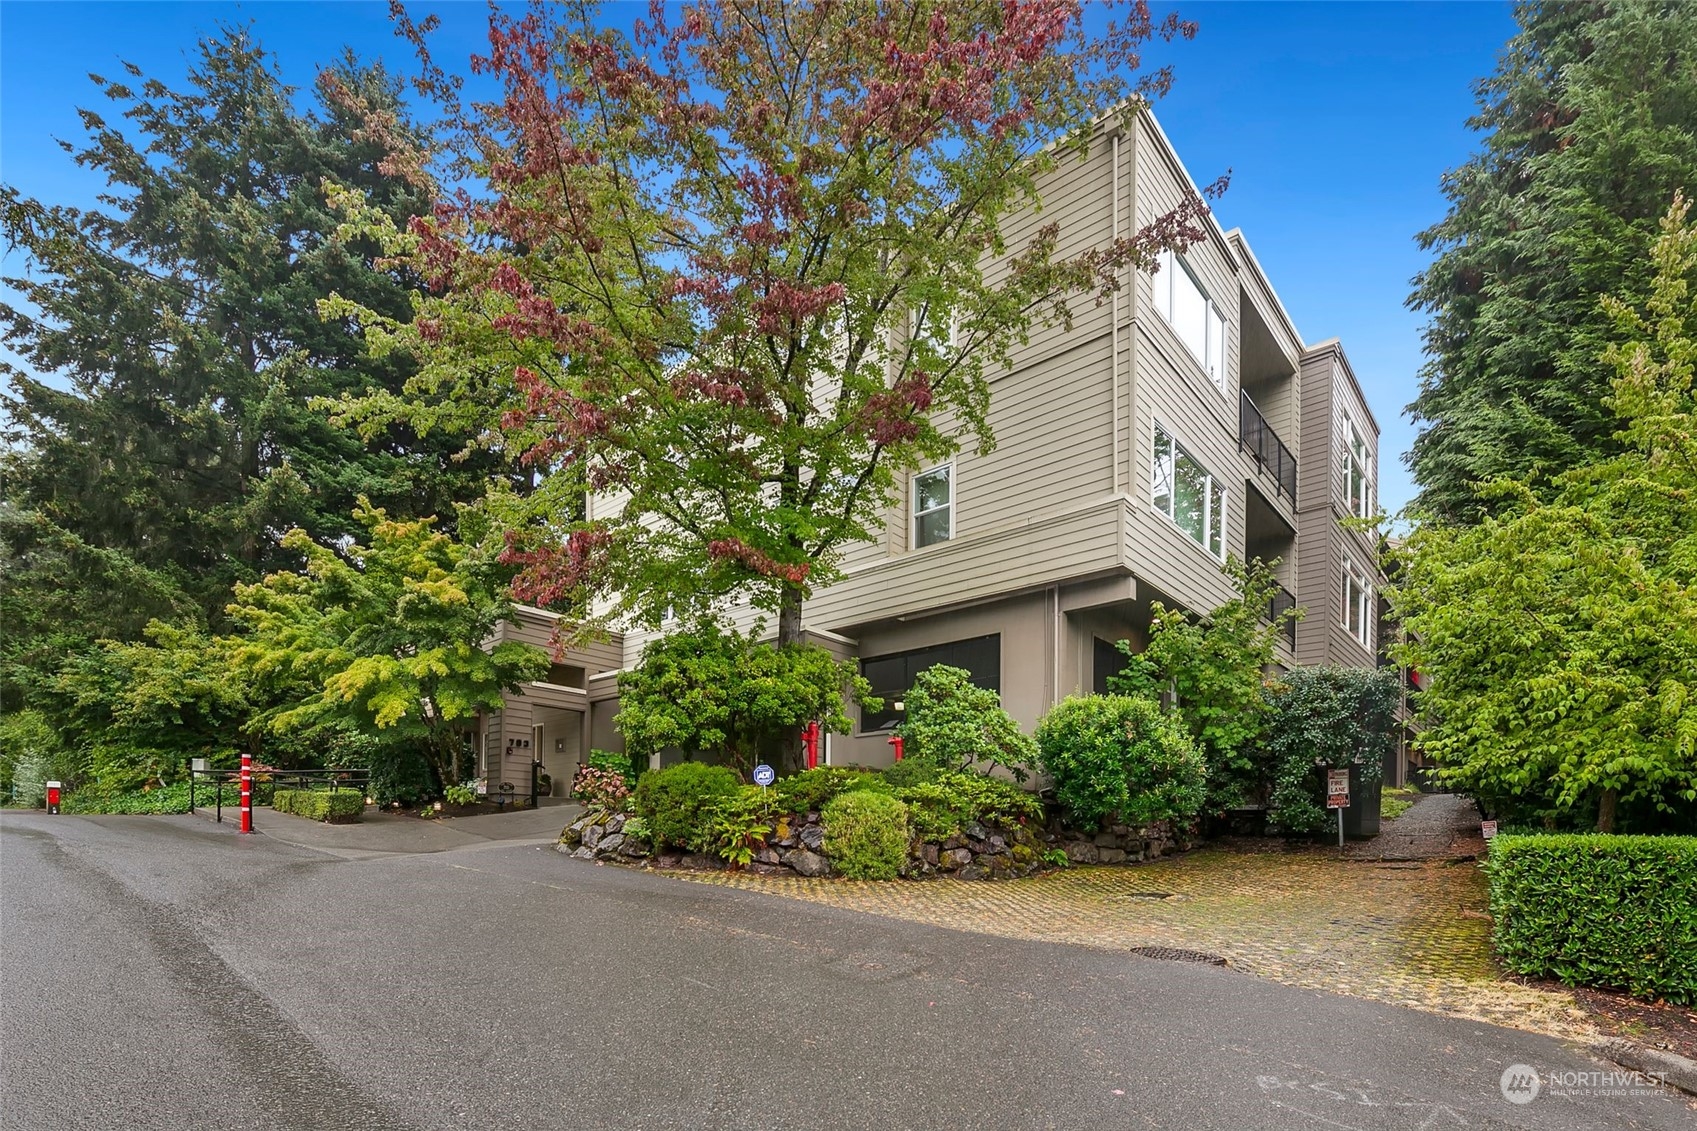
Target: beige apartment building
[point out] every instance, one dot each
(1181, 423)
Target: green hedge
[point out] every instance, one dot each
(1595, 910)
(339, 807)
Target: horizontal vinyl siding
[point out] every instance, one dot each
(1057, 548)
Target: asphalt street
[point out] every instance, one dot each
(165, 972)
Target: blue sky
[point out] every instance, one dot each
(1337, 120)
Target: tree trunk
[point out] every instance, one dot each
(1606, 811)
(790, 756)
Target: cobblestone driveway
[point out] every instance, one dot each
(1410, 933)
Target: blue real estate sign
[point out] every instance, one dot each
(764, 774)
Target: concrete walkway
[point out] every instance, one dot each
(382, 833)
(1439, 826)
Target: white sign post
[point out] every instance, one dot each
(1337, 796)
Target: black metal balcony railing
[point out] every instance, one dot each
(1283, 601)
(1260, 441)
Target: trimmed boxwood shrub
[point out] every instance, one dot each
(1596, 910)
(866, 835)
(811, 789)
(678, 803)
(342, 806)
(1120, 754)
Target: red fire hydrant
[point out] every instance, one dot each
(53, 789)
(810, 739)
(896, 741)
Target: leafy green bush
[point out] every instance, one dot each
(678, 802)
(934, 813)
(463, 794)
(957, 724)
(741, 824)
(619, 763)
(636, 829)
(1598, 910)
(165, 799)
(341, 806)
(1120, 754)
(1331, 715)
(912, 770)
(811, 789)
(942, 807)
(866, 835)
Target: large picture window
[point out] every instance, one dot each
(1188, 310)
(892, 676)
(1185, 492)
(933, 506)
(1357, 603)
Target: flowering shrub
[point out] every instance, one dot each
(601, 789)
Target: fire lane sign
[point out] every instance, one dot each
(1337, 789)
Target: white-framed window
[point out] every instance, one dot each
(1193, 316)
(1357, 603)
(1185, 492)
(936, 327)
(933, 506)
(1357, 482)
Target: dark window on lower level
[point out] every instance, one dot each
(1108, 660)
(892, 676)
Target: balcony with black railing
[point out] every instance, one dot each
(1257, 438)
(1282, 601)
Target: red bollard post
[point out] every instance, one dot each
(810, 737)
(896, 741)
(53, 789)
(247, 793)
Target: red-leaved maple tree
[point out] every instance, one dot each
(732, 270)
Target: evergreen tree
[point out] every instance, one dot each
(1590, 130)
(163, 422)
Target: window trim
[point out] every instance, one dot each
(915, 332)
(1363, 605)
(914, 513)
(1351, 440)
(1214, 485)
(1171, 263)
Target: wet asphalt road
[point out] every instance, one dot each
(166, 973)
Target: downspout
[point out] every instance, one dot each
(1116, 316)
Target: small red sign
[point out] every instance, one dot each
(1488, 829)
(1337, 801)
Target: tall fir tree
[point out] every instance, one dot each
(1591, 126)
(164, 419)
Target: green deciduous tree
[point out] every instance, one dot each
(1588, 123)
(393, 637)
(752, 262)
(715, 690)
(1559, 639)
(1214, 667)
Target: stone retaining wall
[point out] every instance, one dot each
(976, 853)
